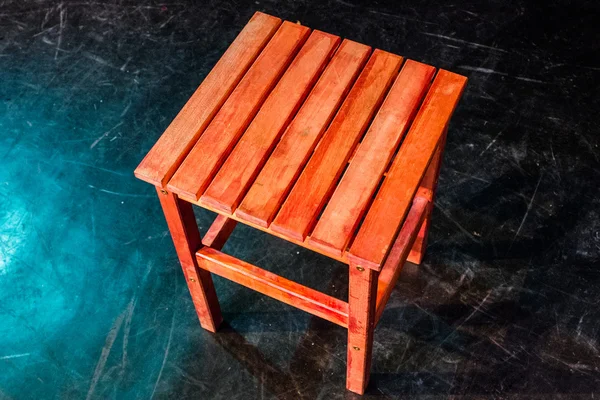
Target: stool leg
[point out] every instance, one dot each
(428, 186)
(186, 237)
(361, 322)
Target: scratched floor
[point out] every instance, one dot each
(92, 301)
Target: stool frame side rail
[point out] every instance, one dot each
(368, 293)
(272, 285)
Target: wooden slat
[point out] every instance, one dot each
(301, 208)
(351, 198)
(304, 243)
(197, 170)
(297, 143)
(273, 285)
(250, 153)
(384, 218)
(171, 148)
(390, 272)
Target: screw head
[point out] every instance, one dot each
(192, 280)
(356, 348)
(163, 191)
(361, 269)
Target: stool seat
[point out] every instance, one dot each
(320, 141)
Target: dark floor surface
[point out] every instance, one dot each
(92, 300)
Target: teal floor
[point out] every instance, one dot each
(92, 300)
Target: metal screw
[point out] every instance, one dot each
(356, 348)
(163, 191)
(361, 269)
(192, 279)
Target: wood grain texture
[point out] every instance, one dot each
(250, 153)
(311, 191)
(266, 139)
(390, 272)
(186, 237)
(303, 243)
(297, 143)
(168, 152)
(361, 323)
(273, 285)
(351, 198)
(207, 155)
(384, 218)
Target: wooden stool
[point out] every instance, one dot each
(304, 136)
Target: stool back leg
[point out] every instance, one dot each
(186, 237)
(429, 184)
(362, 296)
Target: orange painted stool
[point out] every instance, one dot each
(320, 141)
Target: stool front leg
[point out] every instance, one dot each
(186, 237)
(361, 323)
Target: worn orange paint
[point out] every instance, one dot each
(314, 186)
(350, 200)
(205, 158)
(281, 170)
(282, 126)
(361, 322)
(373, 241)
(395, 261)
(428, 186)
(186, 237)
(171, 148)
(250, 153)
(273, 285)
